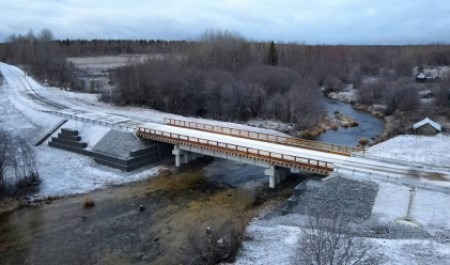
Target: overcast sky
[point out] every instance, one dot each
(312, 21)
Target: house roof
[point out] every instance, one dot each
(421, 76)
(421, 123)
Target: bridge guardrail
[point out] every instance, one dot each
(92, 121)
(318, 146)
(276, 158)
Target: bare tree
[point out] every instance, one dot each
(326, 241)
(372, 92)
(24, 164)
(442, 93)
(3, 156)
(402, 95)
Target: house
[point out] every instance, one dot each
(425, 78)
(427, 127)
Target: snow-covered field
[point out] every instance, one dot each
(102, 63)
(432, 150)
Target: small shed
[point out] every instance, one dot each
(427, 127)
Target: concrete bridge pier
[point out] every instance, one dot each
(182, 156)
(179, 155)
(276, 175)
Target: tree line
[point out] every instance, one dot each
(224, 76)
(40, 54)
(221, 77)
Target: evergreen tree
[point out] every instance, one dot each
(272, 56)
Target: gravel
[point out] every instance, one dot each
(353, 199)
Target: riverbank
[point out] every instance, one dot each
(178, 210)
(8, 204)
(377, 111)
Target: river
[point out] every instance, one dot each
(369, 126)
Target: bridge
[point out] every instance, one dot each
(278, 154)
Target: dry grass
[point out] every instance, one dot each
(8, 204)
(434, 176)
(363, 141)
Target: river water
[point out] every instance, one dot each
(219, 194)
(369, 126)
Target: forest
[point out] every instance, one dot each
(224, 76)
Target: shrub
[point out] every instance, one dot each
(88, 203)
(363, 141)
(212, 247)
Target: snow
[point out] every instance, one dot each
(269, 245)
(275, 244)
(427, 121)
(107, 62)
(429, 150)
(349, 94)
(89, 133)
(272, 240)
(413, 251)
(62, 173)
(384, 208)
(431, 210)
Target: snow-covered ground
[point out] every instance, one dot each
(272, 240)
(62, 172)
(432, 150)
(103, 63)
(65, 173)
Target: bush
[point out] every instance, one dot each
(363, 141)
(328, 241)
(212, 247)
(88, 203)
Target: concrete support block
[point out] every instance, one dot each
(177, 160)
(178, 155)
(272, 182)
(176, 150)
(186, 157)
(276, 175)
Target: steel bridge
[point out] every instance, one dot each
(278, 154)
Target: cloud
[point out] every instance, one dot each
(315, 22)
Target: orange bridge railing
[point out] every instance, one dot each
(312, 145)
(290, 161)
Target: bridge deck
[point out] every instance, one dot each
(313, 145)
(279, 159)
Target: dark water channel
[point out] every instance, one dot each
(369, 126)
(217, 194)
